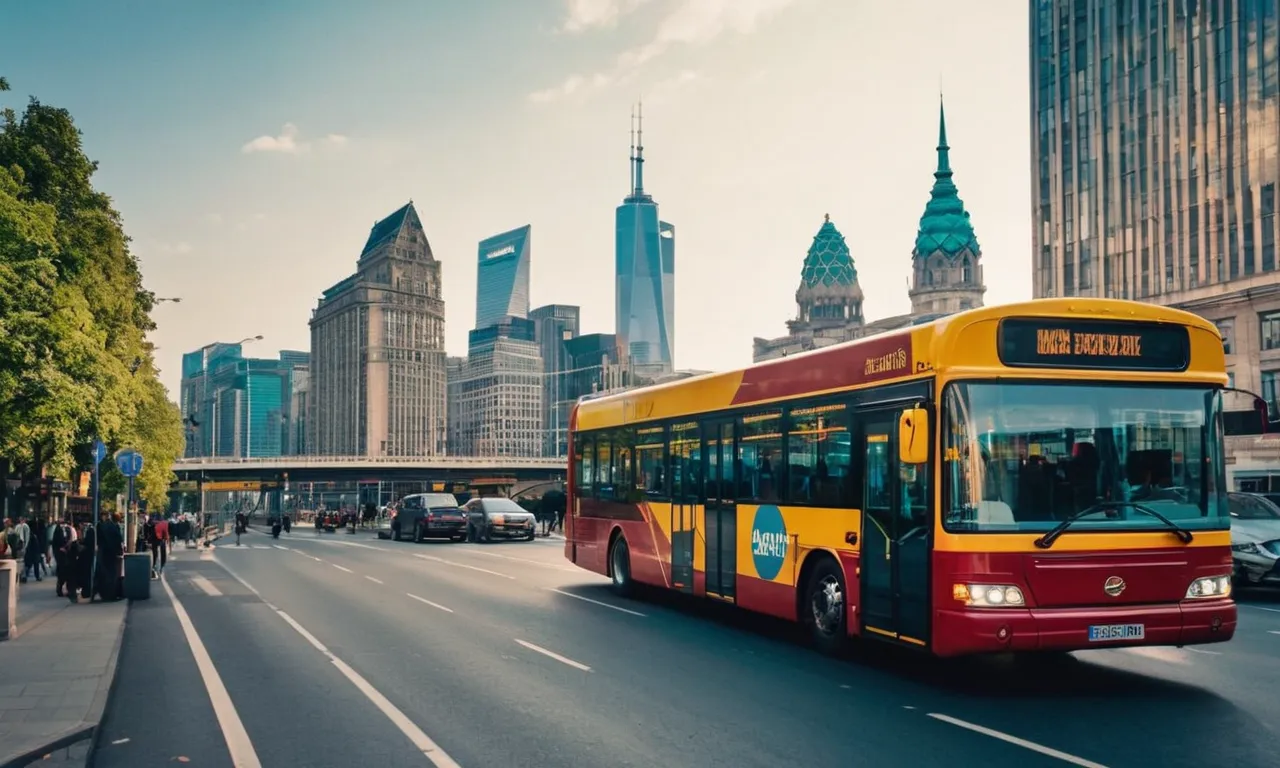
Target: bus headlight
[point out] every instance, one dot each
(989, 595)
(1209, 586)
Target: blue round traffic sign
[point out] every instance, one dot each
(129, 462)
(768, 541)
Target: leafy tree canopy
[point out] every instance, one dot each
(74, 359)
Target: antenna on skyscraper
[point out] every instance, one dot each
(631, 158)
(639, 184)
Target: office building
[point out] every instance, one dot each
(555, 324)
(645, 269)
(502, 277)
(240, 407)
(377, 385)
(495, 396)
(596, 366)
(1154, 135)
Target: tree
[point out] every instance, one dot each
(74, 360)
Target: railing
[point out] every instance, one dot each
(439, 462)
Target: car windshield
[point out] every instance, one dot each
(438, 500)
(1026, 456)
(1248, 507)
(502, 506)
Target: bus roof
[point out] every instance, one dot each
(964, 342)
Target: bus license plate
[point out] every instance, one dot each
(1103, 632)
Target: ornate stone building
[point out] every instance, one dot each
(946, 274)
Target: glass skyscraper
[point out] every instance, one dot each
(502, 277)
(645, 261)
(238, 406)
(1155, 130)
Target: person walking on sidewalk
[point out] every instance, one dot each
(242, 525)
(63, 560)
(159, 545)
(110, 550)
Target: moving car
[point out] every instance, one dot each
(496, 517)
(1255, 538)
(428, 516)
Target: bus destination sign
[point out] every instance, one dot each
(1102, 344)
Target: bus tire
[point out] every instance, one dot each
(620, 567)
(824, 607)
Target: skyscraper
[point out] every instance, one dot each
(377, 345)
(495, 396)
(502, 277)
(238, 406)
(1154, 166)
(555, 324)
(645, 271)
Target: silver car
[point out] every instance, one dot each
(497, 518)
(1255, 538)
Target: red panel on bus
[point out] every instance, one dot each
(845, 366)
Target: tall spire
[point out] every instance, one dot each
(944, 156)
(631, 158)
(638, 173)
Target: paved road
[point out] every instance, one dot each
(505, 655)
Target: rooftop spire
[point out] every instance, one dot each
(637, 186)
(631, 158)
(944, 156)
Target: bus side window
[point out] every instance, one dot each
(623, 471)
(604, 467)
(818, 455)
(585, 448)
(760, 455)
(651, 469)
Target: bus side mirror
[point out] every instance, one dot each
(913, 436)
(1243, 413)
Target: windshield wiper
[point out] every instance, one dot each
(1046, 541)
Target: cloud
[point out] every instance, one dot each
(213, 218)
(687, 23)
(288, 142)
(666, 89)
(585, 15)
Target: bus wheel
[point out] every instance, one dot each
(824, 607)
(620, 566)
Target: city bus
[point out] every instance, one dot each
(1042, 476)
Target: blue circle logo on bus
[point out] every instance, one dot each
(768, 541)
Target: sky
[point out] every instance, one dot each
(251, 146)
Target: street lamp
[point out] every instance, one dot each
(248, 400)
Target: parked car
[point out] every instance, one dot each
(428, 516)
(1255, 538)
(496, 517)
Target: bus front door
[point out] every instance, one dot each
(895, 536)
(686, 471)
(720, 528)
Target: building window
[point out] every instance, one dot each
(1271, 392)
(1227, 329)
(1270, 329)
(1231, 379)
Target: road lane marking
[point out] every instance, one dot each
(556, 566)
(342, 567)
(1031, 745)
(553, 655)
(375, 581)
(431, 750)
(464, 565)
(1272, 632)
(277, 546)
(233, 731)
(428, 602)
(1202, 651)
(1259, 607)
(595, 602)
(206, 586)
(1167, 655)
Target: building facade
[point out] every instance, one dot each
(596, 366)
(502, 277)
(1155, 136)
(946, 274)
(377, 341)
(555, 324)
(240, 407)
(495, 395)
(645, 257)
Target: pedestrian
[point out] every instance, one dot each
(18, 540)
(242, 525)
(84, 554)
(64, 535)
(160, 545)
(110, 552)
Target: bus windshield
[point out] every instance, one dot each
(1022, 457)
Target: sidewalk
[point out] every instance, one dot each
(57, 672)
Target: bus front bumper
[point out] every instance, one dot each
(966, 631)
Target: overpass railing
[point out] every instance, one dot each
(306, 462)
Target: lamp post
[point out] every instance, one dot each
(248, 400)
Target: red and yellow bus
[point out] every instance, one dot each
(1044, 476)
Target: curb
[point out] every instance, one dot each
(89, 728)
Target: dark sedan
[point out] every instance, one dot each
(498, 518)
(429, 516)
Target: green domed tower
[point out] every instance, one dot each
(947, 260)
(829, 295)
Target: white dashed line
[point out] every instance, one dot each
(342, 568)
(277, 546)
(428, 602)
(1202, 651)
(595, 602)
(431, 750)
(1259, 607)
(206, 586)
(375, 581)
(1031, 745)
(464, 565)
(553, 655)
(1272, 632)
(233, 730)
